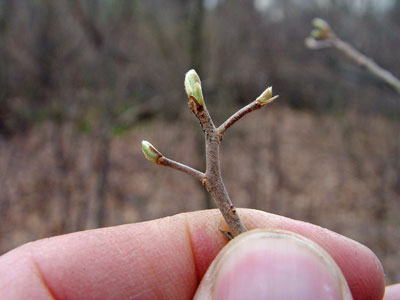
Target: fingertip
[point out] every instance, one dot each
(276, 264)
(360, 266)
(392, 292)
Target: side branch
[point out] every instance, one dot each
(181, 167)
(256, 104)
(155, 156)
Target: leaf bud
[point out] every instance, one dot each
(151, 153)
(193, 86)
(266, 96)
(320, 24)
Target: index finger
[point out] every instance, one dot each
(160, 259)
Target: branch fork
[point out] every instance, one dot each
(211, 179)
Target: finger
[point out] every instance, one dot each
(273, 264)
(160, 259)
(360, 266)
(392, 292)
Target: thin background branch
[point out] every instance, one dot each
(324, 37)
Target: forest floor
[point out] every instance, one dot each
(339, 172)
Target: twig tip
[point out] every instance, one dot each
(266, 96)
(193, 86)
(150, 152)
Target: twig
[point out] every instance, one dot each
(256, 104)
(158, 158)
(324, 37)
(211, 179)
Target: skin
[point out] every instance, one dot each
(159, 259)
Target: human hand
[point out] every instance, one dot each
(166, 259)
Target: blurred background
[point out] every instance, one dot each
(82, 82)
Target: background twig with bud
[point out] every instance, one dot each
(211, 179)
(322, 36)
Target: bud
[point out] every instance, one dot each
(317, 34)
(310, 42)
(266, 96)
(193, 86)
(322, 29)
(320, 24)
(151, 153)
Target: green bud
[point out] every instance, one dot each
(151, 153)
(311, 43)
(321, 30)
(193, 86)
(266, 96)
(320, 24)
(317, 34)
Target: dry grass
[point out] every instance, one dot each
(340, 173)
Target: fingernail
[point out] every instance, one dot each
(273, 264)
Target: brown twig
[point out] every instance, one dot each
(241, 113)
(181, 167)
(324, 37)
(211, 179)
(157, 157)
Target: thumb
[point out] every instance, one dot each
(273, 264)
